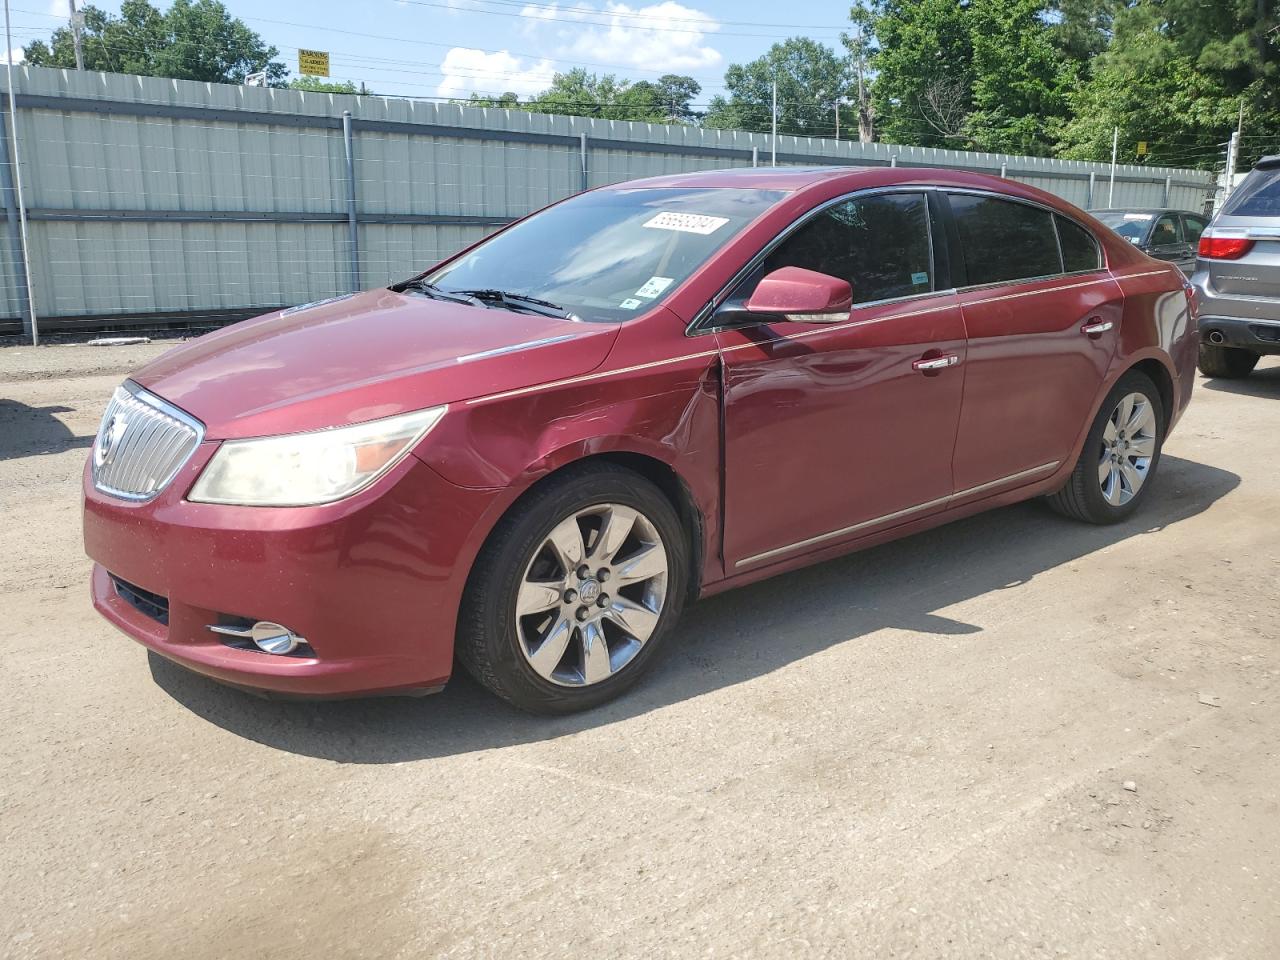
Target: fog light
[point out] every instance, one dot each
(266, 636)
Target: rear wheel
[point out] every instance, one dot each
(575, 591)
(1226, 362)
(1119, 457)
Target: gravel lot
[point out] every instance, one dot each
(920, 750)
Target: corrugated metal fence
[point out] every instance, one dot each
(153, 200)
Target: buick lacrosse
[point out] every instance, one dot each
(530, 457)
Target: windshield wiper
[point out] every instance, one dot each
(436, 293)
(518, 301)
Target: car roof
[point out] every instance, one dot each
(1150, 210)
(847, 177)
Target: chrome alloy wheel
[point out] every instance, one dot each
(591, 595)
(1128, 445)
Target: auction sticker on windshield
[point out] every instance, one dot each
(654, 286)
(686, 222)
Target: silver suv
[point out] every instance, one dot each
(1237, 276)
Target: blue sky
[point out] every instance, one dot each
(434, 48)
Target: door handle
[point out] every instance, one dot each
(1096, 327)
(935, 363)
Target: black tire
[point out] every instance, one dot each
(1230, 363)
(488, 644)
(1082, 497)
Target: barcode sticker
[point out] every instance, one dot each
(686, 222)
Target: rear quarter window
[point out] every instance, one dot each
(1257, 196)
(1003, 240)
(1079, 249)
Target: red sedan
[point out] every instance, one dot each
(532, 456)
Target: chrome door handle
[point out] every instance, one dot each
(935, 363)
(1096, 327)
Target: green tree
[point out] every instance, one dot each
(581, 94)
(192, 40)
(321, 85)
(923, 91)
(812, 79)
(860, 42)
(1020, 80)
(1177, 74)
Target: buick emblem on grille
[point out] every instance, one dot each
(109, 440)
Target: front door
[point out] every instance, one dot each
(833, 431)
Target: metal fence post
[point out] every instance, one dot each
(1168, 188)
(353, 228)
(583, 144)
(17, 246)
(31, 323)
(755, 156)
(1004, 170)
(1093, 182)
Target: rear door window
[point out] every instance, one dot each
(880, 244)
(1166, 232)
(1257, 196)
(1079, 249)
(1192, 227)
(1004, 240)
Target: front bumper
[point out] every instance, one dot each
(373, 582)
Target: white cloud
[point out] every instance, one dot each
(661, 36)
(60, 8)
(16, 56)
(466, 71)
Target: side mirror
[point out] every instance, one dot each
(804, 296)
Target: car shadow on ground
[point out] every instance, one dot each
(28, 431)
(724, 640)
(1263, 382)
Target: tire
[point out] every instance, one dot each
(1227, 362)
(1112, 477)
(526, 561)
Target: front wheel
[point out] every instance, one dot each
(575, 590)
(1119, 457)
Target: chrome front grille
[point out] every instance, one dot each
(141, 444)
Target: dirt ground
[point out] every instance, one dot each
(921, 750)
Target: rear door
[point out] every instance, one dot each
(1168, 242)
(835, 430)
(1043, 321)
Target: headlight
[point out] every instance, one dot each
(301, 469)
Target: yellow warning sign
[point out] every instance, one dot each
(313, 63)
(1142, 144)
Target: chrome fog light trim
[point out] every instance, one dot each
(266, 636)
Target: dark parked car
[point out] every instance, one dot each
(531, 456)
(1170, 235)
(1237, 277)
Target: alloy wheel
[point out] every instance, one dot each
(591, 595)
(1128, 446)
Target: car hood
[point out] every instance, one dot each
(365, 356)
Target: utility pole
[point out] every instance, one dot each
(837, 121)
(77, 18)
(773, 140)
(1115, 145)
(1233, 159)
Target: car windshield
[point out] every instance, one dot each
(1257, 196)
(1132, 226)
(608, 254)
